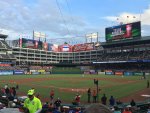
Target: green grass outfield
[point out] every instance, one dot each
(67, 86)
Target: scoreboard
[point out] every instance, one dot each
(123, 32)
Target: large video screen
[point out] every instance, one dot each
(123, 32)
(28, 43)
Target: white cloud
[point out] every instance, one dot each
(18, 17)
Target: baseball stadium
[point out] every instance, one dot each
(118, 68)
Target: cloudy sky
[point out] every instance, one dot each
(70, 19)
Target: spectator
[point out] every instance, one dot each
(3, 91)
(127, 110)
(32, 104)
(77, 99)
(132, 103)
(14, 91)
(118, 102)
(94, 96)
(57, 104)
(89, 95)
(147, 83)
(10, 91)
(10, 101)
(52, 95)
(7, 91)
(111, 101)
(104, 99)
(116, 110)
(17, 86)
(51, 107)
(45, 108)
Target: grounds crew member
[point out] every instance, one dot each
(32, 103)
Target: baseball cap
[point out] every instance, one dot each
(31, 92)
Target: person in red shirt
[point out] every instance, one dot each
(77, 99)
(52, 95)
(94, 96)
(127, 110)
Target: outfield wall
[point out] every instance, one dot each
(125, 73)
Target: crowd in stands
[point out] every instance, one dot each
(125, 56)
(7, 56)
(10, 68)
(4, 45)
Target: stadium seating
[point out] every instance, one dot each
(4, 45)
(125, 56)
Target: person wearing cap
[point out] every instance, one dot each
(32, 103)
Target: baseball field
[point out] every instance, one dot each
(67, 86)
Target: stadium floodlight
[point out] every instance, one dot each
(37, 34)
(92, 36)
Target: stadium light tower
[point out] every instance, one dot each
(92, 36)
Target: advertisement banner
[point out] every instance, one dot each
(35, 73)
(47, 73)
(147, 73)
(138, 73)
(123, 32)
(4, 65)
(6, 72)
(20, 42)
(108, 70)
(101, 73)
(128, 73)
(18, 72)
(33, 70)
(89, 46)
(45, 46)
(83, 47)
(41, 71)
(119, 73)
(109, 73)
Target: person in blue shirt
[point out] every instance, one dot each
(111, 101)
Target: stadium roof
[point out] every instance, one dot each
(142, 40)
(3, 36)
